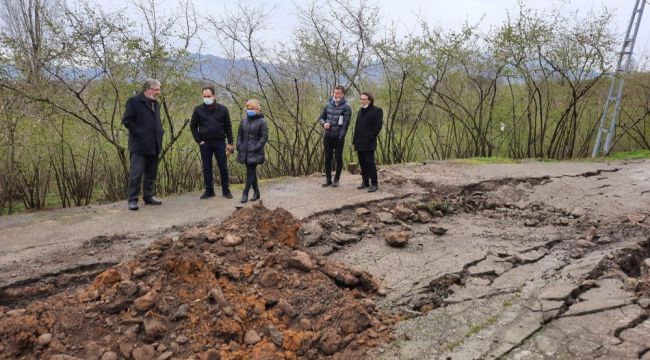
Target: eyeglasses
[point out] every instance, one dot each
(364, 99)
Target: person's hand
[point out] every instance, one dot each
(327, 126)
(230, 148)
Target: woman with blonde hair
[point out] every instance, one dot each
(251, 138)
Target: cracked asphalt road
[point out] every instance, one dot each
(540, 261)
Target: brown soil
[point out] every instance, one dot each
(239, 290)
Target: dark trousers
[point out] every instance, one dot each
(368, 167)
(218, 150)
(251, 178)
(146, 165)
(333, 148)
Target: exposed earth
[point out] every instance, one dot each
(448, 261)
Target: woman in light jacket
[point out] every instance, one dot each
(251, 138)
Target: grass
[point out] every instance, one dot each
(486, 160)
(629, 155)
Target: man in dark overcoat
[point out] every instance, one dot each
(142, 119)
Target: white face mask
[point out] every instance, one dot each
(208, 101)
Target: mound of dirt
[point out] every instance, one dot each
(240, 290)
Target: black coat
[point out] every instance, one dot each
(369, 122)
(211, 122)
(251, 138)
(143, 122)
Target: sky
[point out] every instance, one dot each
(449, 14)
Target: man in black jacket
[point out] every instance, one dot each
(211, 127)
(335, 119)
(142, 119)
(369, 122)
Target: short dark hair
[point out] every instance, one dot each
(208, 87)
(370, 97)
(340, 87)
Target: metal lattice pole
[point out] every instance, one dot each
(610, 113)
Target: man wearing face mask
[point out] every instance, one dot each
(142, 119)
(335, 119)
(211, 127)
(364, 139)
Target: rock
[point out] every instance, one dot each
(301, 260)
(342, 238)
(591, 235)
(644, 302)
(584, 244)
(146, 352)
(369, 304)
(397, 238)
(310, 233)
(166, 355)
(329, 341)
(424, 216)
(269, 278)
(286, 308)
(216, 295)
(386, 217)
(44, 339)
(402, 212)
(603, 240)
(127, 288)
(578, 212)
(276, 335)
(636, 218)
(63, 357)
(232, 240)
(209, 355)
(182, 339)
(139, 272)
(15, 312)
(125, 349)
(305, 324)
(146, 302)
(438, 230)
(361, 211)
(109, 355)
(154, 326)
(531, 222)
(181, 312)
(251, 337)
(522, 204)
(354, 320)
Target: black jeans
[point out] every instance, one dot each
(216, 148)
(368, 167)
(333, 148)
(146, 165)
(251, 178)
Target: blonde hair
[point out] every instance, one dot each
(254, 103)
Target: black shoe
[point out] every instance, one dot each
(207, 194)
(256, 195)
(363, 186)
(335, 183)
(329, 183)
(373, 188)
(228, 195)
(244, 197)
(152, 201)
(133, 204)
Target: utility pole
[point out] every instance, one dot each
(613, 102)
